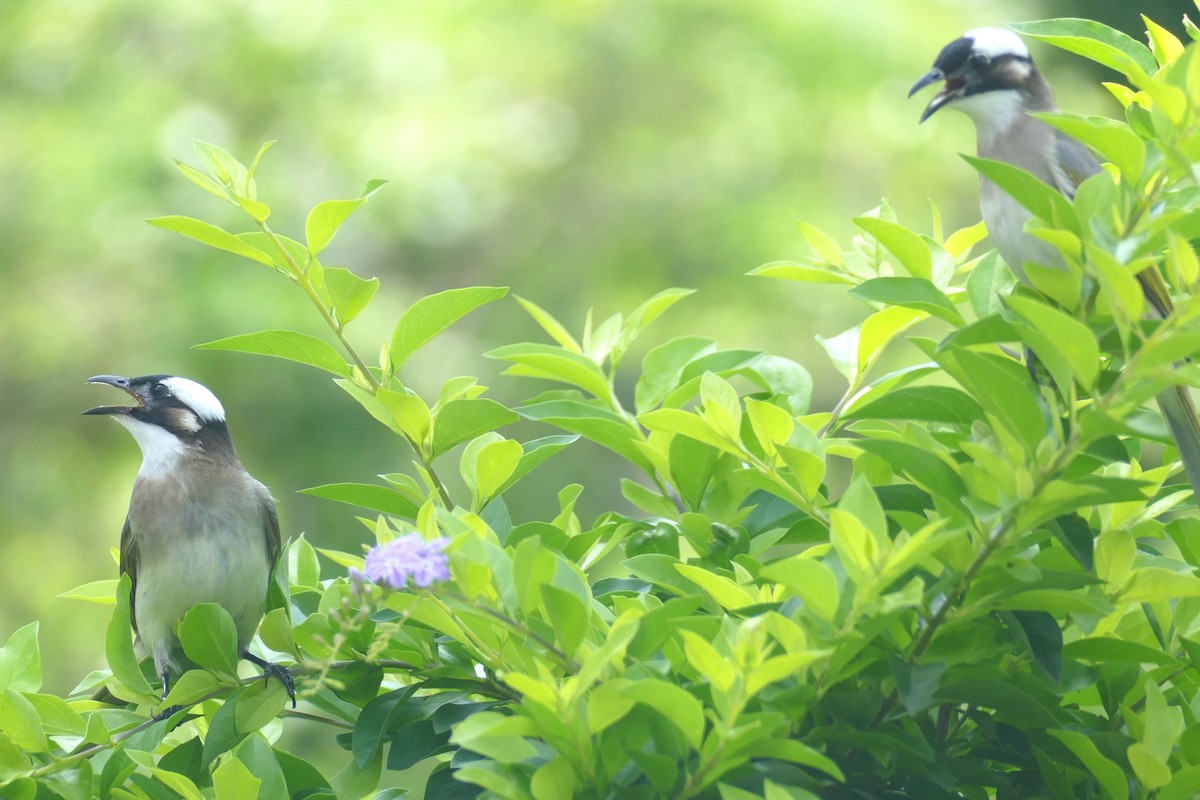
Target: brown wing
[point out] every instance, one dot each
(271, 530)
(128, 566)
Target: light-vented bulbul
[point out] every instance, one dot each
(988, 74)
(200, 529)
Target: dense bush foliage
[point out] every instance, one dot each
(968, 579)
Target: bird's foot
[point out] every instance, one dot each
(278, 672)
(167, 713)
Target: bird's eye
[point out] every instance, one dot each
(158, 390)
(979, 60)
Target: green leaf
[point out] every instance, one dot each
(209, 638)
(915, 293)
(410, 414)
(203, 181)
(597, 424)
(431, 315)
(232, 781)
(118, 647)
(191, 687)
(1093, 40)
(211, 235)
(1067, 335)
(705, 659)
(289, 345)
(461, 420)
(260, 759)
(642, 317)
(374, 723)
(1001, 387)
(1108, 774)
(258, 704)
(662, 369)
(325, 219)
(989, 281)
(21, 660)
(925, 403)
(567, 614)
(801, 272)
(535, 453)
(685, 423)
(550, 325)
(102, 592)
(349, 293)
(1114, 141)
(1041, 199)
(366, 495)
(554, 363)
(808, 579)
(675, 704)
(727, 593)
(908, 247)
(487, 463)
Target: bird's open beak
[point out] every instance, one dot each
(951, 90)
(120, 383)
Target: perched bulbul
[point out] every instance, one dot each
(200, 529)
(989, 75)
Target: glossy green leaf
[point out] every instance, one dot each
(325, 219)
(1093, 40)
(118, 646)
(233, 781)
(349, 293)
(461, 420)
(21, 660)
(908, 247)
(680, 708)
(366, 495)
(925, 403)
(554, 364)
(916, 293)
(289, 345)
(209, 638)
(433, 314)
(211, 235)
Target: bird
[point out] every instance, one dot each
(989, 75)
(200, 528)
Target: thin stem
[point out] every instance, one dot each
(565, 661)
(301, 278)
(337, 723)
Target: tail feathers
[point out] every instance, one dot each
(1180, 414)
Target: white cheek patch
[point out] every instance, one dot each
(996, 42)
(183, 419)
(161, 450)
(198, 398)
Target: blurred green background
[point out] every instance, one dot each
(586, 153)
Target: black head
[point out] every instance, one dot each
(980, 61)
(178, 405)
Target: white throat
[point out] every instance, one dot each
(993, 112)
(161, 450)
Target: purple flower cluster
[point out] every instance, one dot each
(408, 558)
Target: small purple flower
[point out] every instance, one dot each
(410, 557)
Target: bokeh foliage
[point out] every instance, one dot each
(586, 154)
(1001, 601)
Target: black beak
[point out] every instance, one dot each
(120, 383)
(940, 99)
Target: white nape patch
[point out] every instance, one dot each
(993, 112)
(996, 42)
(161, 449)
(198, 398)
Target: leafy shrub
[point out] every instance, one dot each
(1000, 601)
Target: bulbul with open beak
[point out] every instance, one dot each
(200, 529)
(989, 75)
